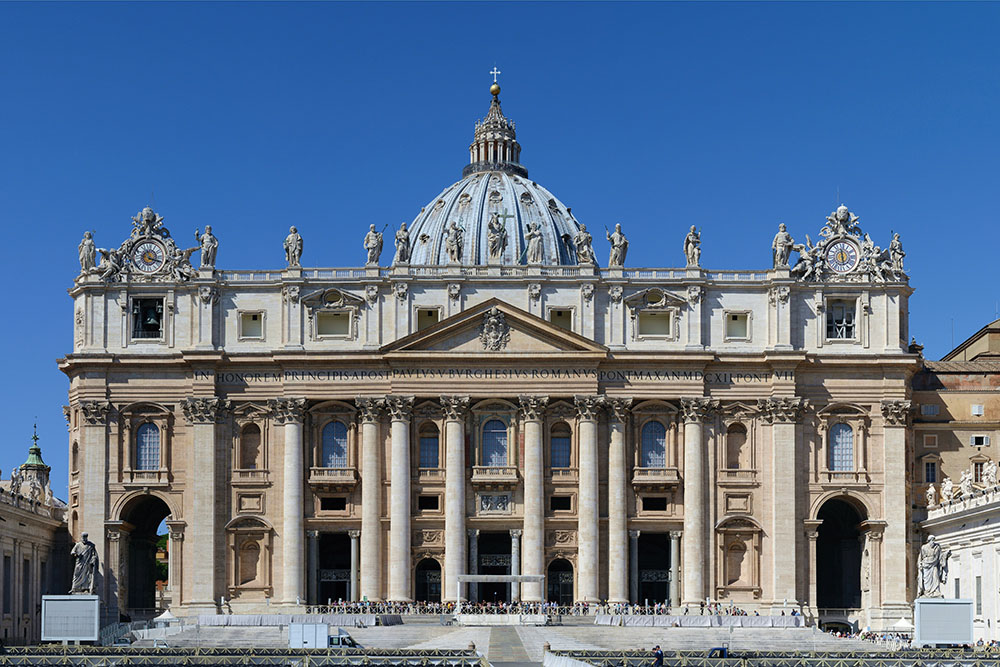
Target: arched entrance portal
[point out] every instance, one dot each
(560, 582)
(838, 556)
(428, 580)
(494, 558)
(144, 555)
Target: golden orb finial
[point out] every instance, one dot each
(495, 89)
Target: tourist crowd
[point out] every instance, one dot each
(551, 608)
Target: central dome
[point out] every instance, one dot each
(494, 183)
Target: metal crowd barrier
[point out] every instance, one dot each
(904, 658)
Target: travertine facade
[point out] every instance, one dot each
(493, 401)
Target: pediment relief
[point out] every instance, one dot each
(494, 327)
(654, 298)
(331, 298)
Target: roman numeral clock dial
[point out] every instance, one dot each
(148, 257)
(842, 256)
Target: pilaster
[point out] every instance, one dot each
(290, 413)
(895, 419)
(695, 545)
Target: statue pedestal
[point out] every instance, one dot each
(372, 270)
(292, 272)
(206, 273)
(693, 272)
(401, 269)
(779, 272)
(494, 261)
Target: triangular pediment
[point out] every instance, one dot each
(515, 332)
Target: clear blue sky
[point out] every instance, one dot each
(252, 117)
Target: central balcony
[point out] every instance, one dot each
(333, 479)
(654, 478)
(495, 477)
(146, 478)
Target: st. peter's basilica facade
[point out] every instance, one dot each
(487, 397)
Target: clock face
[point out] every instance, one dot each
(148, 256)
(842, 256)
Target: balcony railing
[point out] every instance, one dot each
(333, 477)
(147, 477)
(494, 475)
(844, 477)
(246, 476)
(565, 474)
(655, 477)
(737, 475)
(430, 474)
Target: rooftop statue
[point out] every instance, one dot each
(619, 247)
(146, 223)
(373, 244)
(496, 236)
(293, 248)
(584, 243)
(841, 223)
(931, 494)
(535, 250)
(209, 247)
(88, 254)
(454, 242)
(402, 246)
(692, 247)
(933, 569)
(84, 554)
(947, 490)
(896, 254)
(781, 247)
(965, 484)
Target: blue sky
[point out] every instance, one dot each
(253, 117)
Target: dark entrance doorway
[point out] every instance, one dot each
(560, 582)
(334, 567)
(654, 567)
(494, 558)
(838, 556)
(428, 580)
(137, 583)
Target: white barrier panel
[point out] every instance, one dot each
(501, 619)
(699, 621)
(73, 618)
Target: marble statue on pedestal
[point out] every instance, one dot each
(533, 236)
(931, 494)
(454, 242)
(496, 236)
(990, 474)
(781, 247)
(402, 255)
(209, 247)
(947, 489)
(373, 244)
(692, 247)
(965, 484)
(84, 554)
(619, 247)
(896, 254)
(88, 254)
(933, 569)
(293, 248)
(584, 243)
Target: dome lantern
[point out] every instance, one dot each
(494, 145)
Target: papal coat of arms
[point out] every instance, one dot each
(495, 332)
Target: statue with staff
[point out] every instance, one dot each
(373, 244)
(84, 554)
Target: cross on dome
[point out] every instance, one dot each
(495, 72)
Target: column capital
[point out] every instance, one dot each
(634, 534)
(205, 410)
(400, 407)
(896, 413)
(287, 410)
(588, 406)
(782, 409)
(812, 529)
(619, 407)
(698, 409)
(516, 533)
(354, 534)
(532, 407)
(370, 408)
(473, 532)
(312, 534)
(676, 534)
(455, 407)
(95, 412)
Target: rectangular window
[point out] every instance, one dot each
(560, 451)
(840, 319)
(333, 324)
(333, 503)
(930, 441)
(426, 317)
(737, 326)
(977, 411)
(979, 440)
(252, 325)
(930, 472)
(979, 595)
(929, 410)
(977, 472)
(8, 584)
(654, 324)
(429, 452)
(147, 318)
(561, 317)
(26, 587)
(429, 503)
(561, 503)
(654, 504)
(958, 588)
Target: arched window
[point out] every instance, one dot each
(841, 447)
(560, 447)
(249, 563)
(250, 447)
(736, 438)
(334, 453)
(429, 447)
(654, 445)
(147, 447)
(495, 443)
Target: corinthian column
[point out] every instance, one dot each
(455, 410)
(290, 412)
(783, 415)
(533, 545)
(695, 551)
(587, 551)
(203, 414)
(370, 409)
(895, 417)
(400, 408)
(618, 543)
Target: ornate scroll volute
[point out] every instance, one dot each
(896, 413)
(287, 410)
(533, 407)
(782, 410)
(400, 408)
(455, 407)
(370, 408)
(95, 412)
(205, 410)
(698, 409)
(619, 408)
(588, 407)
